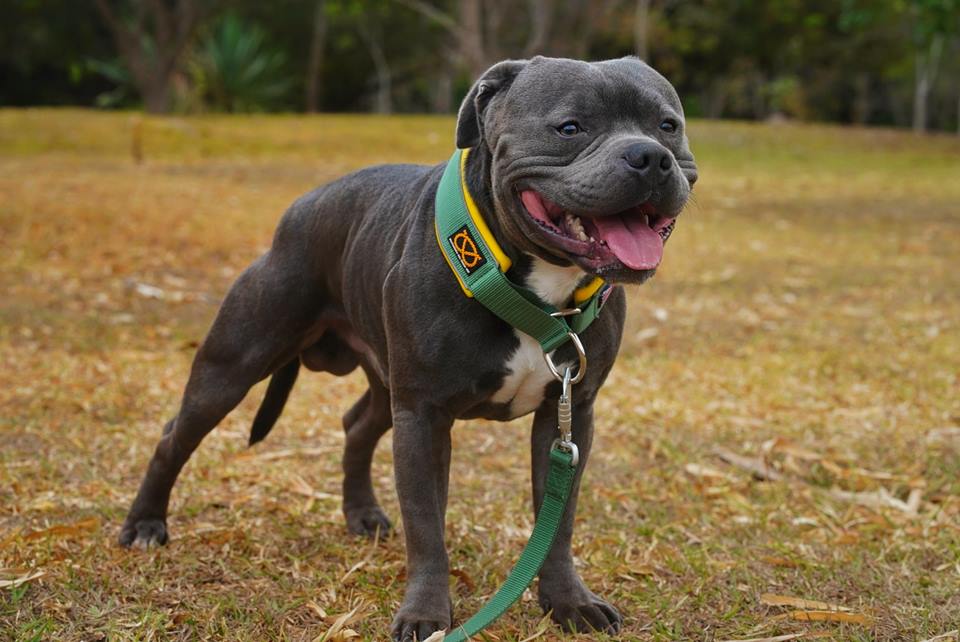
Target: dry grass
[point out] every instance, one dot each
(807, 322)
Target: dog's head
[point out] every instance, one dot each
(590, 161)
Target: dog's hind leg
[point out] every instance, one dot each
(364, 424)
(260, 327)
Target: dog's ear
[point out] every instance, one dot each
(470, 118)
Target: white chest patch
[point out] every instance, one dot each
(527, 373)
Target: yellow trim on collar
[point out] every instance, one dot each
(502, 259)
(582, 295)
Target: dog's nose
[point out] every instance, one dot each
(649, 159)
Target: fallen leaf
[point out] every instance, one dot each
(23, 579)
(772, 599)
(882, 499)
(355, 567)
(642, 569)
(316, 608)
(779, 638)
(148, 291)
(756, 467)
(462, 575)
(787, 447)
(337, 625)
(804, 635)
(944, 434)
(846, 473)
(300, 486)
(698, 470)
(65, 530)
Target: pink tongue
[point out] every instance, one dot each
(632, 240)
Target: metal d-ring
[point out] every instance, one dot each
(570, 447)
(566, 312)
(581, 354)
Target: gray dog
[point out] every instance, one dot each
(580, 170)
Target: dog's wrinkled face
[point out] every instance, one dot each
(591, 163)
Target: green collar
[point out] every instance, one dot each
(479, 264)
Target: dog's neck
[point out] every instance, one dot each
(552, 283)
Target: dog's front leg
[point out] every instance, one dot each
(573, 605)
(421, 460)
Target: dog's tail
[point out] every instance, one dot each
(276, 398)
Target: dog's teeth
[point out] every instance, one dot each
(575, 225)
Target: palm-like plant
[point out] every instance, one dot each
(236, 70)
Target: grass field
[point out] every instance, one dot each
(805, 328)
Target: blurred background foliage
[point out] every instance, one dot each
(235, 69)
(882, 62)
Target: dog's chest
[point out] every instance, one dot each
(527, 373)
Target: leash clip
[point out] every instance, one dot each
(565, 409)
(565, 420)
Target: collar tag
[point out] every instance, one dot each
(467, 250)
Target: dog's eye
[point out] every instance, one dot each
(669, 125)
(570, 128)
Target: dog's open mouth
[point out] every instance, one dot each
(635, 236)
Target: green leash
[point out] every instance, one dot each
(479, 264)
(559, 483)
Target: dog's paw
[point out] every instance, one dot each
(367, 521)
(582, 611)
(426, 609)
(143, 534)
(415, 631)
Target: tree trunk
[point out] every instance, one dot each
(925, 65)
(467, 30)
(862, 103)
(921, 91)
(318, 42)
(151, 55)
(758, 100)
(541, 17)
(442, 98)
(588, 15)
(383, 103)
(641, 27)
(471, 39)
(492, 28)
(716, 101)
(156, 95)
